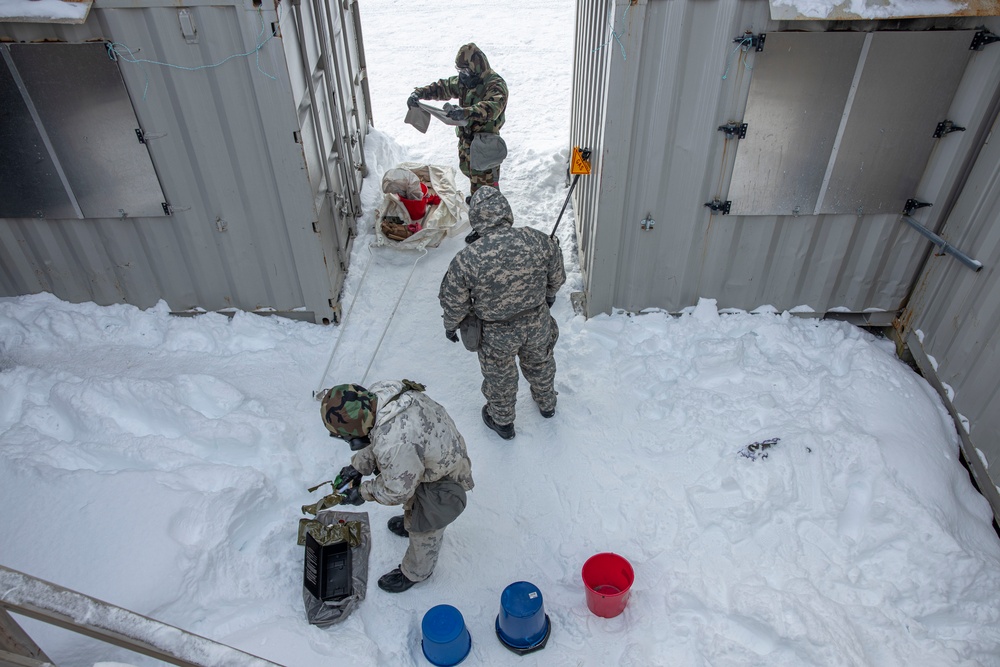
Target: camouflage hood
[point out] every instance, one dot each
(470, 56)
(489, 210)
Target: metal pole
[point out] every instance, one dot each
(568, 195)
(946, 248)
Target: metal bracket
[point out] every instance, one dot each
(738, 130)
(139, 135)
(188, 28)
(167, 210)
(981, 39)
(913, 204)
(749, 39)
(719, 206)
(647, 223)
(946, 127)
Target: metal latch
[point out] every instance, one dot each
(738, 130)
(748, 39)
(647, 223)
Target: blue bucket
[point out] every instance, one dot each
(522, 624)
(446, 640)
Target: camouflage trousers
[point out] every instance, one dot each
(422, 555)
(531, 339)
(477, 178)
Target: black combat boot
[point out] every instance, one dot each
(395, 582)
(506, 431)
(395, 525)
(548, 414)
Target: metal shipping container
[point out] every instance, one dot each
(207, 153)
(746, 153)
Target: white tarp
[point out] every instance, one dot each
(449, 218)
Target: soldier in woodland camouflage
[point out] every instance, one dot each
(509, 279)
(482, 98)
(420, 461)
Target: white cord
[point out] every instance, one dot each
(423, 252)
(318, 393)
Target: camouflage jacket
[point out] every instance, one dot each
(485, 103)
(413, 440)
(507, 271)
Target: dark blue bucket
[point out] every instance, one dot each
(446, 640)
(522, 624)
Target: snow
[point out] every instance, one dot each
(868, 9)
(45, 11)
(159, 463)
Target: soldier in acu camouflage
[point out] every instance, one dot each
(509, 279)
(482, 98)
(419, 458)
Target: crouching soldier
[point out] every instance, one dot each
(418, 457)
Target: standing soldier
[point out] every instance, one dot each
(482, 98)
(419, 458)
(509, 279)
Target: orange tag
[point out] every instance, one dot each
(579, 164)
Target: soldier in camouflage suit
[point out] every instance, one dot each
(509, 278)
(420, 461)
(482, 98)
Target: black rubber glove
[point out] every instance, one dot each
(349, 474)
(458, 113)
(412, 100)
(352, 497)
(549, 300)
(451, 335)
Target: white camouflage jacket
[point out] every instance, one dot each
(413, 440)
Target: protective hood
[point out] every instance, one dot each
(471, 57)
(489, 210)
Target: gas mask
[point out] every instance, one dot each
(468, 78)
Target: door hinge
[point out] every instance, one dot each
(946, 127)
(981, 39)
(748, 39)
(719, 206)
(738, 130)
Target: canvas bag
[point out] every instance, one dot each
(471, 329)
(435, 505)
(486, 151)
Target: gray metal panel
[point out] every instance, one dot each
(248, 230)
(907, 84)
(657, 151)
(82, 104)
(801, 82)
(954, 314)
(26, 192)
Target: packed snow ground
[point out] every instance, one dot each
(159, 463)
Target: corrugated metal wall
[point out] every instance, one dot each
(653, 82)
(952, 324)
(237, 128)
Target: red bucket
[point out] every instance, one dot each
(417, 208)
(608, 579)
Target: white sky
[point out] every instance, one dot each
(159, 463)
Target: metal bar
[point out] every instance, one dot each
(334, 94)
(569, 194)
(65, 608)
(946, 248)
(362, 63)
(41, 130)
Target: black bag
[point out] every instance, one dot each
(337, 546)
(471, 329)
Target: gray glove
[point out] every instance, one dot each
(412, 100)
(451, 335)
